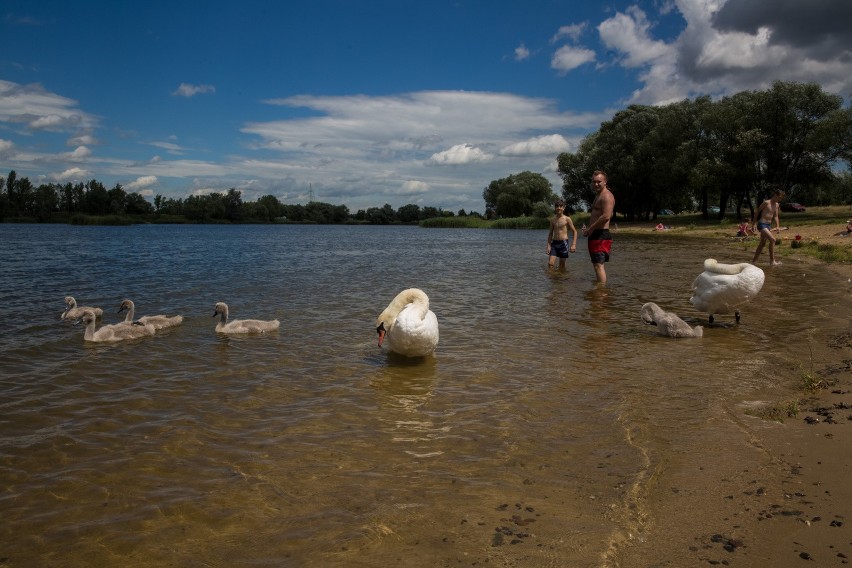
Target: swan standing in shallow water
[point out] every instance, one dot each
(722, 288)
(407, 324)
(241, 326)
(668, 323)
(159, 322)
(114, 332)
(72, 311)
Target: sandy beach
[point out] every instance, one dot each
(776, 492)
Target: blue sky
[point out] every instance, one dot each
(371, 102)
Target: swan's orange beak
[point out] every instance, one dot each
(381, 331)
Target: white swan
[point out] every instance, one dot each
(72, 311)
(241, 326)
(408, 325)
(668, 323)
(159, 322)
(114, 332)
(722, 288)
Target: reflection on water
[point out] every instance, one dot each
(528, 438)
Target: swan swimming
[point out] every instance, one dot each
(408, 325)
(72, 311)
(241, 326)
(722, 288)
(114, 332)
(159, 322)
(668, 323)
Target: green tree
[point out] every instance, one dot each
(96, 200)
(272, 207)
(516, 195)
(233, 205)
(408, 213)
(136, 204)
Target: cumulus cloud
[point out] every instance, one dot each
(521, 53)
(141, 183)
(630, 34)
(6, 147)
(551, 144)
(187, 90)
(727, 47)
(570, 57)
(71, 174)
(460, 154)
(79, 154)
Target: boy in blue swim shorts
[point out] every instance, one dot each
(557, 237)
(763, 218)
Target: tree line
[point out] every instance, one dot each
(685, 156)
(729, 153)
(21, 200)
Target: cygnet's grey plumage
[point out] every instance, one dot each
(159, 322)
(668, 323)
(74, 312)
(114, 332)
(241, 326)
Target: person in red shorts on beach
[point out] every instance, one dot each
(600, 241)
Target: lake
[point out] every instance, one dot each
(531, 437)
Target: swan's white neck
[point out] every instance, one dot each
(131, 311)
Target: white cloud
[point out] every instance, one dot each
(81, 140)
(630, 34)
(569, 57)
(141, 183)
(71, 174)
(412, 187)
(550, 144)
(187, 90)
(79, 154)
(572, 32)
(460, 154)
(38, 109)
(521, 53)
(6, 147)
(169, 147)
(750, 46)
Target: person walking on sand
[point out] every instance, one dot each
(768, 211)
(600, 240)
(557, 237)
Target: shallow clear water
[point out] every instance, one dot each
(528, 438)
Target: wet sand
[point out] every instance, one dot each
(759, 492)
(774, 494)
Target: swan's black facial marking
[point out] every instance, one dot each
(381, 328)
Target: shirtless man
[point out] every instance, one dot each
(557, 237)
(600, 241)
(763, 217)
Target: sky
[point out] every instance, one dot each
(366, 103)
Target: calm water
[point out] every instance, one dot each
(527, 439)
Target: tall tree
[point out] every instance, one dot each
(516, 195)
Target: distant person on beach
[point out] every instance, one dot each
(557, 237)
(600, 240)
(847, 231)
(744, 229)
(763, 217)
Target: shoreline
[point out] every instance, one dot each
(757, 492)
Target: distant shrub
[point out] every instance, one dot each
(81, 219)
